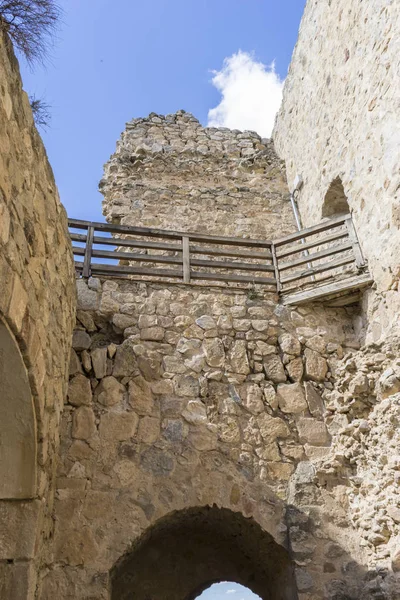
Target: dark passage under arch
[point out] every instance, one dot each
(187, 551)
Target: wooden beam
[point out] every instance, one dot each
(318, 292)
(232, 277)
(163, 233)
(312, 230)
(346, 300)
(186, 259)
(86, 271)
(315, 256)
(332, 264)
(319, 242)
(360, 262)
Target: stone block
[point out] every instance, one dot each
(87, 299)
(314, 400)
(274, 369)
(20, 523)
(148, 430)
(272, 428)
(206, 322)
(79, 390)
(316, 365)
(81, 340)
(289, 344)
(291, 398)
(214, 352)
(186, 385)
(312, 432)
(99, 362)
(118, 427)
(83, 423)
(141, 396)
(238, 359)
(17, 581)
(109, 391)
(195, 412)
(155, 334)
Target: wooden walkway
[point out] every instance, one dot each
(320, 262)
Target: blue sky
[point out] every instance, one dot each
(118, 59)
(227, 591)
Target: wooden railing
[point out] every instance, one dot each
(187, 257)
(295, 262)
(304, 259)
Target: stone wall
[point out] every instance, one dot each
(37, 303)
(339, 119)
(169, 172)
(185, 398)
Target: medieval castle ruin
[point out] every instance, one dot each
(222, 400)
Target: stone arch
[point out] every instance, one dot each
(17, 422)
(335, 201)
(185, 552)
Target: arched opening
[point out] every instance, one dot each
(186, 552)
(17, 423)
(227, 590)
(335, 201)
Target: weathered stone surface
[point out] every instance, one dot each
(81, 340)
(272, 427)
(149, 430)
(291, 398)
(186, 385)
(118, 426)
(99, 362)
(312, 432)
(289, 344)
(238, 358)
(79, 391)
(83, 423)
(314, 400)
(157, 462)
(295, 369)
(109, 391)
(316, 365)
(253, 399)
(87, 299)
(140, 396)
(214, 352)
(274, 369)
(74, 363)
(228, 430)
(195, 412)
(125, 364)
(206, 322)
(152, 333)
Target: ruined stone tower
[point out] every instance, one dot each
(203, 430)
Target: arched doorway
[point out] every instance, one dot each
(227, 590)
(17, 423)
(335, 201)
(187, 551)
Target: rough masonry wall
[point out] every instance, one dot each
(169, 172)
(37, 302)
(182, 398)
(340, 118)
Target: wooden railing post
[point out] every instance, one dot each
(86, 270)
(276, 269)
(186, 259)
(358, 255)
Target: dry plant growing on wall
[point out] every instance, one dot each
(41, 112)
(31, 25)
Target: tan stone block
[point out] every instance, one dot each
(289, 344)
(269, 452)
(316, 365)
(18, 303)
(280, 471)
(7, 284)
(186, 385)
(99, 362)
(109, 392)
(79, 390)
(74, 363)
(295, 369)
(140, 396)
(229, 430)
(312, 431)
(154, 334)
(83, 423)
(291, 398)
(149, 430)
(118, 427)
(17, 581)
(272, 428)
(20, 524)
(214, 352)
(238, 359)
(274, 369)
(252, 397)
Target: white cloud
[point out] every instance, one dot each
(251, 95)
